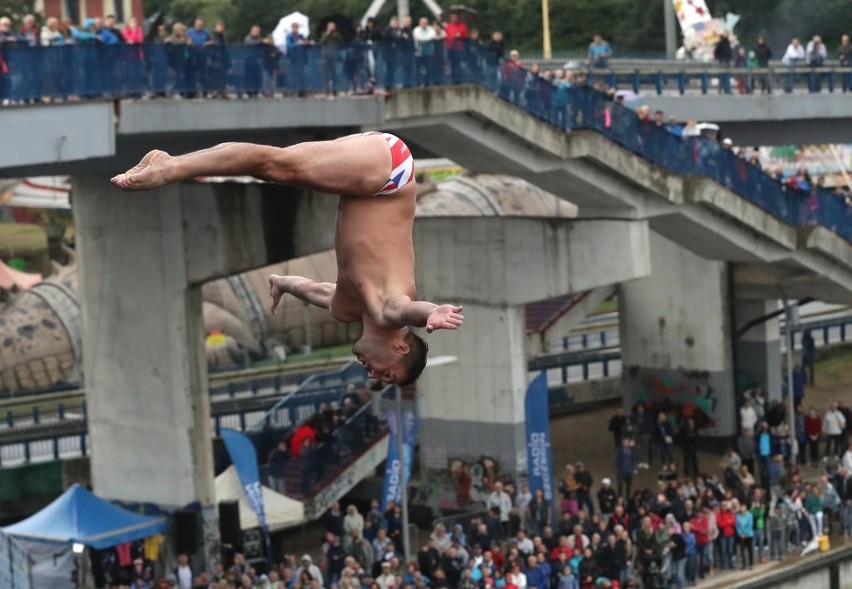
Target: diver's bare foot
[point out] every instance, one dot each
(149, 173)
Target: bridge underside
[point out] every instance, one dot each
(485, 134)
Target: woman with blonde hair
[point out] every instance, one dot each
(353, 521)
(568, 488)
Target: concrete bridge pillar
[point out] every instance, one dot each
(676, 338)
(473, 408)
(758, 350)
(143, 258)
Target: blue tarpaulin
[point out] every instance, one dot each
(78, 515)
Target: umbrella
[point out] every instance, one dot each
(466, 14)
(150, 24)
(279, 35)
(344, 26)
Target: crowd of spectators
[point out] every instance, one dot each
(358, 59)
(599, 532)
(318, 445)
(814, 54)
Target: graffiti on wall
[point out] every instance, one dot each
(682, 393)
(464, 483)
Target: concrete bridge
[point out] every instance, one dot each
(693, 261)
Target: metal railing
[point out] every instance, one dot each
(130, 71)
(315, 466)
(299, 404)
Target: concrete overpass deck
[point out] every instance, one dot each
(483, 133)
(606, 179)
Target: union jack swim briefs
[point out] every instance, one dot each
(402, 164)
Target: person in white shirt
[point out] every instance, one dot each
(183, 572)
(518, 576)
(748, 416)
(833, 424)
(425, 38)
(500, 499)
(758, 403)
(815, 52)
(846, 462)
(795, 54)
(522, 502)
(524, 544)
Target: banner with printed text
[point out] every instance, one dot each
(392, 488)
(539, 462)
(244, 456)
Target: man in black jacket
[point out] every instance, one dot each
(762, 53)
(607, 499)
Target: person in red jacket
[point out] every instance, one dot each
(704, 547)
(302, 433)
(456, 39)
(726, 520)
(813, 431)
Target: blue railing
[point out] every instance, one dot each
(127, 71)
(304, 401)
(312, 471)
(118, 71)
(682, 78)
(701, 157)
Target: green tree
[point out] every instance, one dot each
(16, 9)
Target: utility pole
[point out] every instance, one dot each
(671, 32)
(403, 475)
(545, 25)
(402, 9)
(791, 405)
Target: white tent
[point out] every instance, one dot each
(281, 512)
(279, 34)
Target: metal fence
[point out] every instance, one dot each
(127, 71)
(119, 71)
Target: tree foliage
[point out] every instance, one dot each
(16, 9)
(629, 26)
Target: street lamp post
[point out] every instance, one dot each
(403, 476)
(671, 32)
(545, 24)
(791, 405)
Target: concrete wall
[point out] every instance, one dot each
(513, 261)
(57, 133)
(675, 336)
(778, 119)
(143, 258)
(146, 374)
(475, 406)
(758, 350)
(493, 266)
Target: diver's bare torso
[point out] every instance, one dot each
(375, 254)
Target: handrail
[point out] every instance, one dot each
(332, 383)
(131, 71)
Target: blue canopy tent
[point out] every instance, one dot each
(78, 515)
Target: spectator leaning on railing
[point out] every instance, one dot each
(599, 52)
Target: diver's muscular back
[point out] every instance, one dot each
(375, 254)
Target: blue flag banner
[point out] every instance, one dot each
(244, 456)
(539, 462)
(392, 488)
